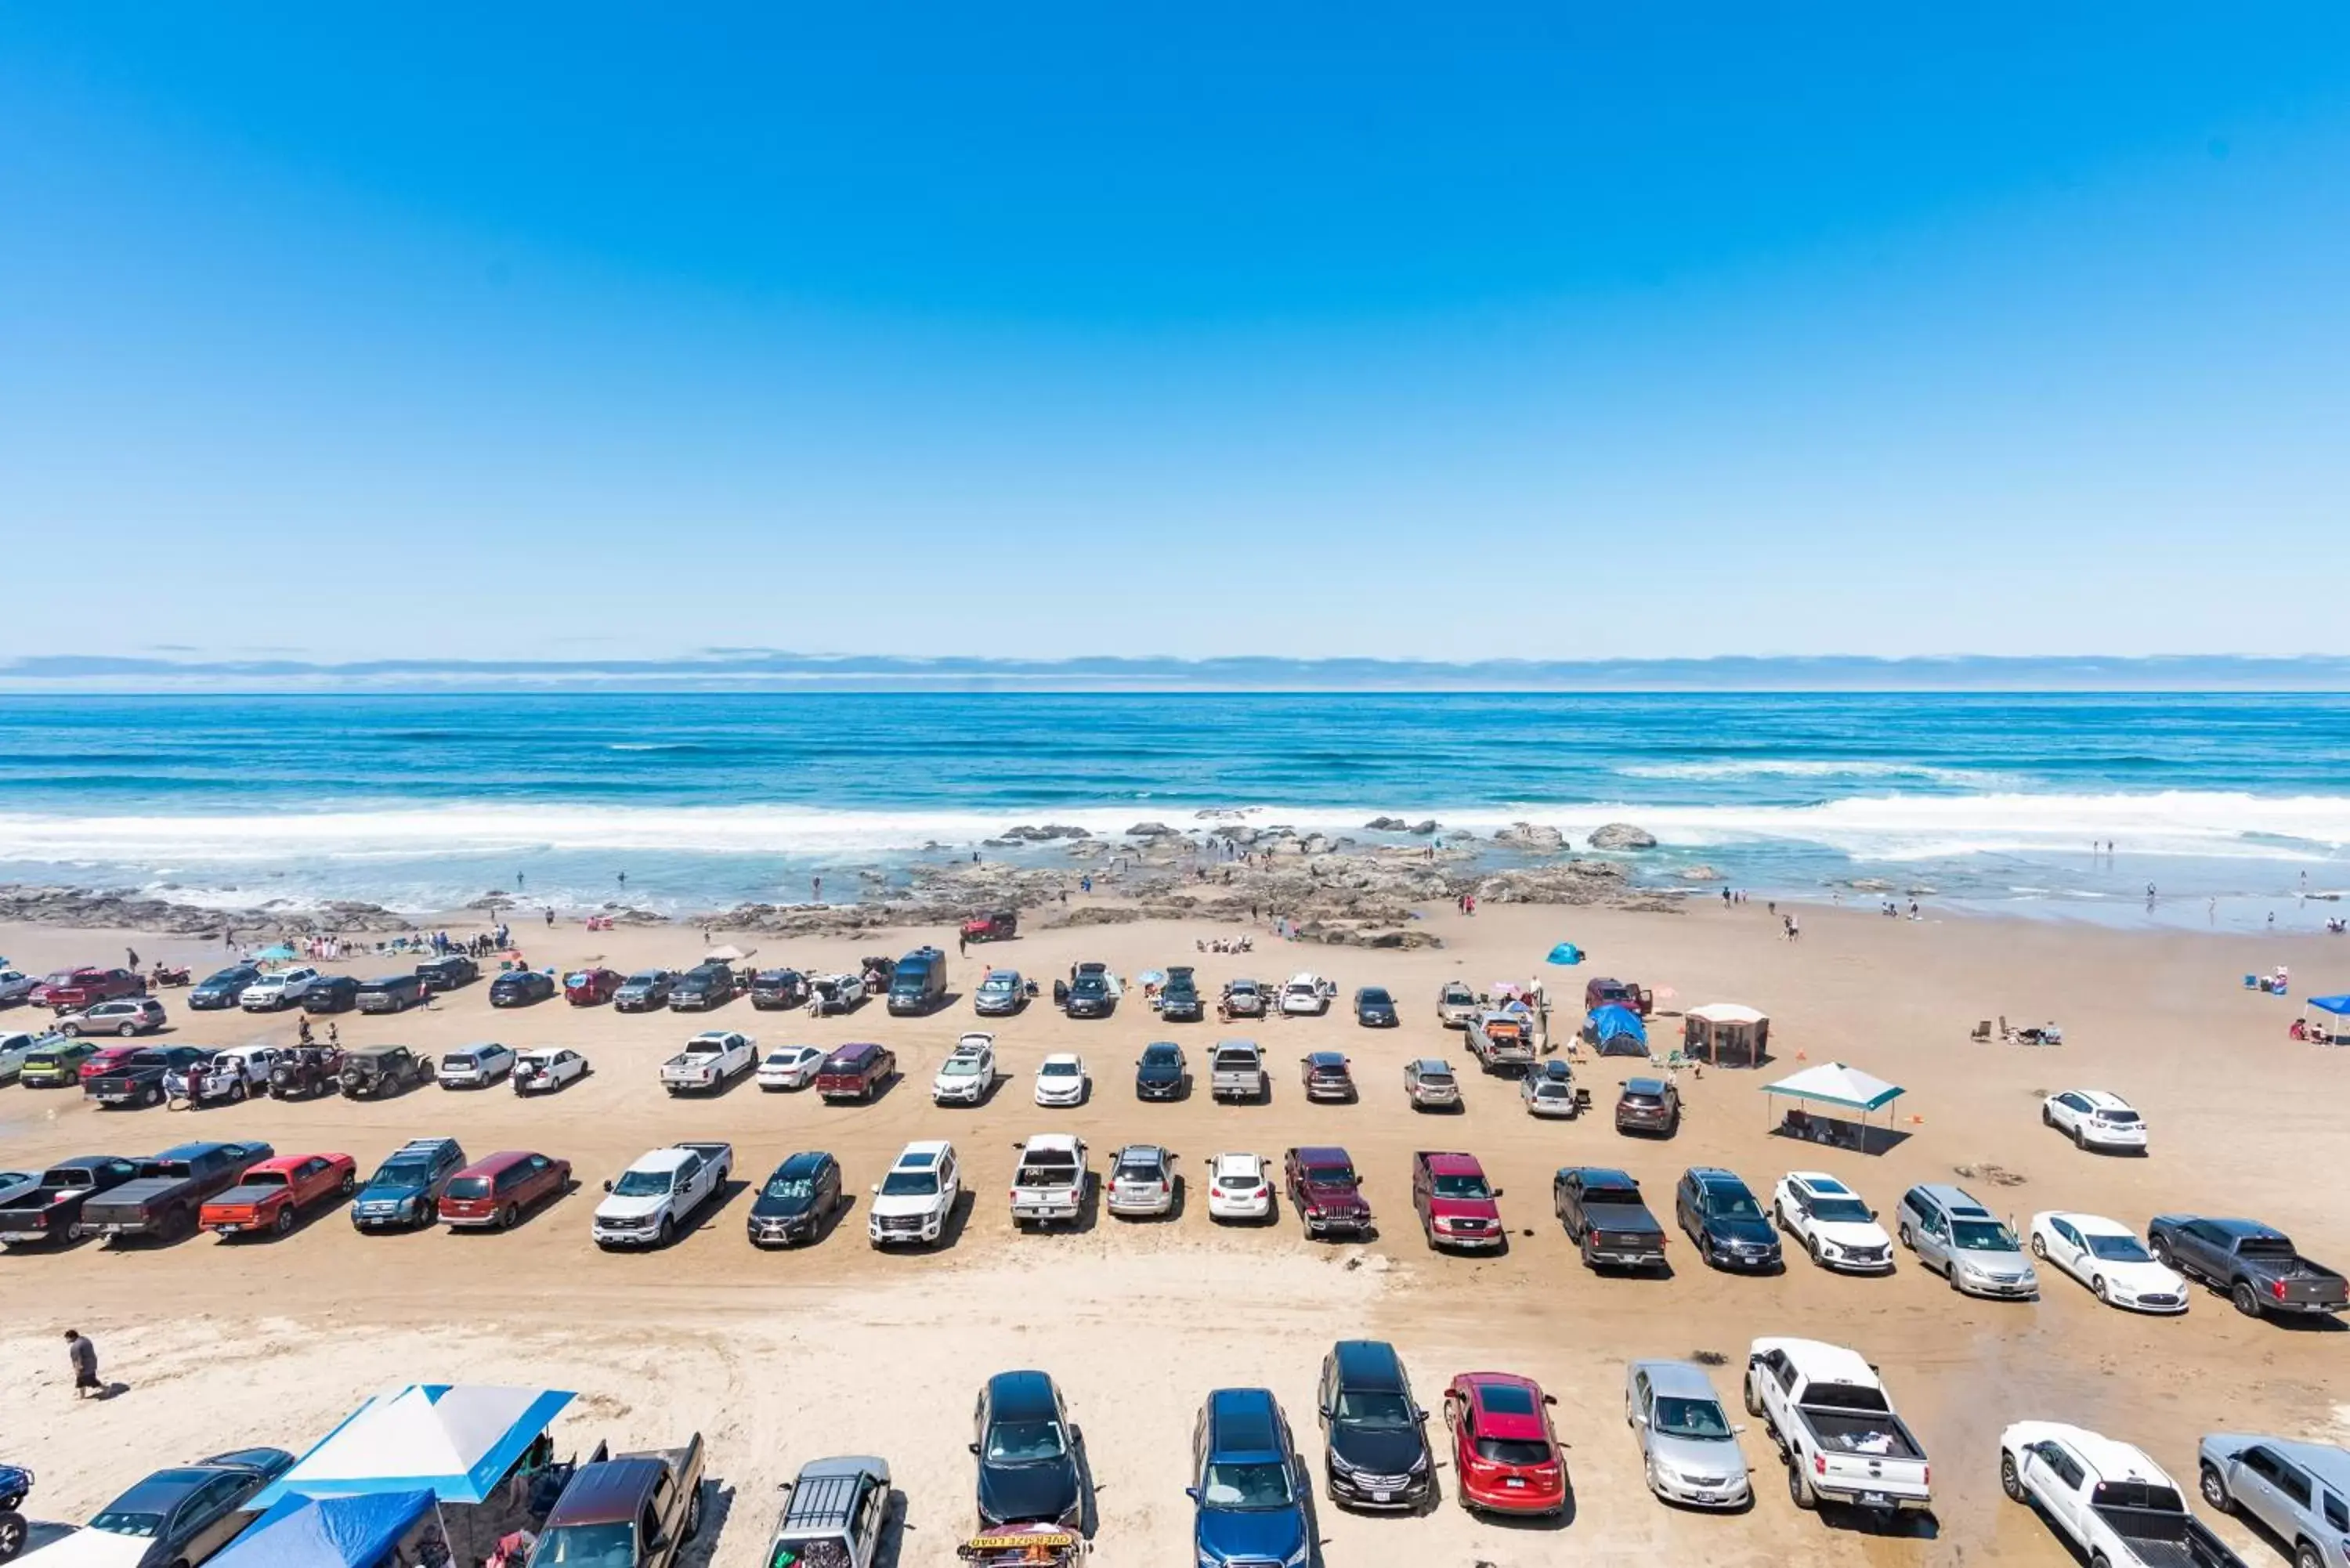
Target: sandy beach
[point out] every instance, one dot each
(780, 1357)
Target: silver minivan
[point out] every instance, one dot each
(1951, 1232)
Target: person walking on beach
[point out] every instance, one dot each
(83, 1354)
(131, 955)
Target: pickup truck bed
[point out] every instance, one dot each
(2161, 1540)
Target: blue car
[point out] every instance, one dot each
(404, 1193)
(1250, 1492)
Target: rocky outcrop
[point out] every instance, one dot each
(1424, 827)
(1530, 836)
(89, 907)
(1028, 834)
(1151, 830)
(1621, 836)
(1386, 824)
(1698, 874)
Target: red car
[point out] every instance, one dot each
(107, 1059)
(70, 991)
(591, 987)
(271, 1195)
(492, 1193)
(1504, 1453)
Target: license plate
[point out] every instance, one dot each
(1875, 1499)
(1381, 1496)
(1706, 1497)
(1515, 1480)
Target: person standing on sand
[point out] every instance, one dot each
(83, 1354)
(131, 955)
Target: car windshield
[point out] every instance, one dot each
(470, 1186)
(1840, 1211)
(642, 1184)
(1513, 1451)
(1260, 1483)
(1138, 1170)
(1462, 1187)
(2117, 1249)
(1733, 1206)
(1059, 1069)
(1162, 1056)
(1329, 1176)
(142, 1526)
(1238, 1176)
(790, 1187)
(909, 1184)
(1373, 997)
(586, 1546)
(996, 985)
(2123, 1117)
(404, 1172)
(646, 979)
(1556, 1089)
(1982, 1236)
(1023, 1442)
(960, 1066)
(1690, 1419)
(1434, 1080)
(1374, 1409)
(458, 1061)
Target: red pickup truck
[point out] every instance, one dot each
(271, 1195)
(1455, 1203)
(74, 990)
(855, 1071)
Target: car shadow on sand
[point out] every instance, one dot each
(717, 1509)
(1532, 1523)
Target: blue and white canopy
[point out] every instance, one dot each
(455, 1440)
(328, 1532)
(1834, 1084)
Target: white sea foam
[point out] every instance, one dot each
(1802, 768)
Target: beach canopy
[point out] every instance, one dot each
(328, 1532)
(1565, 953)
(730, 953)
(1726, 1013)
(2338, 1005)
(1615, 1029)
(280, 951)
(1834, 1084)
(458, 1439)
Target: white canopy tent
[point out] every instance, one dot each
(1834, 1084)
(456, 1439)
(1721, 1031)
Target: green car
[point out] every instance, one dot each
(57, 1066)
(15, 1047)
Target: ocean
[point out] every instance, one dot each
(2234, 806)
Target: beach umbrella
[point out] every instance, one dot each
(1152, 977)
(1566, 953)
(457, 1439)
(279, 951)
(730, 953)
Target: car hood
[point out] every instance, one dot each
(615, 1207)
(1382, 1450)
(2140, 1279)
(388, 1191)
(1851, 1233)
(905, 1203)
(1331, 1195)
(1464, 1207)
(1274, 1533)
(1702, 1456)
(92, 1549)
(768, 1207)
(1159, 1072)
(1012, 1493)
(1756, 1233)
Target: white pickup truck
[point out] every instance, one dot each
(1051, 1182)
(1835, 1428)
(654, 1197)
(710, 1060)
(2116, 1506)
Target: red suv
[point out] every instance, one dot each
(1506, 1456)
(80, 988)
(855, 1071)
(493, 1193)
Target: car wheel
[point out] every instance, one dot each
(2160, 1247)
(2097, 1287)
(2080, 1139)
(236, 1091)
(284, 1220)
(667, 1231)
(350, 1181)
(1908, 1240)
(507, 1217)
(2247, 1300)
(2099, 1560)
(2009, 1481)
(2040, 1248)
(12, 1535)
(2047, 1117)
(1799, 1488)
(2215, 1491)
(154, 1095)
(128, 1031)
(693, 1516)
(69, 1030)
(2304, 1555)
(1815, 1253)
(430, 1212)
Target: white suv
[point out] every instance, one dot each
(912, 1203)
(1239, 1188)
(2095, 1120)
(1840, 1231)
(283, 988)
(474, 1066)
(964, 1078)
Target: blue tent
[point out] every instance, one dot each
(2338, 1005)
(328, 1532)
(1565, 953)
(1616, 1025)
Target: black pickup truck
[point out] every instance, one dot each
(52, 1212)
(628, 1510)
(2257, 1267)
(169, 1192)
(140, 1080)
(1607, 1220)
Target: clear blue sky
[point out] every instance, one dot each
(538, 330)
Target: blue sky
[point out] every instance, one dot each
(583, 331)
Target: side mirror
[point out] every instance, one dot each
(1417, 1414)
(1550, 1398)
(607, 1187)
(657, 1543)
(1639, 1421)
(877, 1188)
(974, 1448)
(1499, 1192)
(1872, 1214)
(1192, 1492)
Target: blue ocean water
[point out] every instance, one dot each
(703, 799)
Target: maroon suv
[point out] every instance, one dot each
(855, 1071)
(1325, 1190)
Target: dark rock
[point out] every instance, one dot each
(1423, 827)
(1621, 836)
(1386, 824)
(1151, 830)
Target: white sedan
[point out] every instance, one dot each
(789, 1067)
(2094, 1118)
(2108, 1258)
(1239, 1188)
(546, 1069)
(1061, 1079)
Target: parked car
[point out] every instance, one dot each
(2256, 1266)
(391, 993)
(710, 1060)
(1061, 1079)
(223, 987)
(1001, 994)
(1456, 1205)
(1502, 1040)
(51, 1212)
(1248, 1487)
(181, 1515)
(277, 989)
(1456, 1004)
(2108, 1500)
(968, 1075)
(1374, 1433)
(546, 1069)
(1952, 1232)
(1089, 995)
(373, 1071)
(995, 926)
(126, 1016)
(1605, 1216)
(1689, 1448)
(1161, 1073)
(591, 987)
(914, 1200)
(1178, 999)
(450, 972)
(1141, 1182)
(1716, 1211)
(137, 1079)
(14, 1048)
(1550, 1090)
(2298, 1491)
(1327, 1076)
(55, 1063)
(1239, 1188)
(629, 1510)
(1027, 1453)
(225, 1077)
(1835, 1226)
(522, 987)
(857, 1071)
(1649, 1106)
(708, 984)
(303, 1070)
(1241, 999)
(271, 1195)
(778, 989)
(799, 1197)
(1236, 1072)
(1430, 1084)
(1050, 1184)
(331, 993)
(1506, 1457)
(2093, 1118)
(661, 1194)
(2107, 1256)
(834, 1511)
(1307, 995)
(72, 989)
(494, 1194)
(474, 1066)
(1836, 1428)
(15, 986)
(404, 1193)
(831, 994)
(1374, 1009)
(1603, 992)
(1322, 1186)
(789, 1067)
(646, 991)
(919, 983)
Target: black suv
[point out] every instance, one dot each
(702, 987)
(1374, 1432)
(1178, 999)
(521, 988)
(223, 987)
(1159, 1073)
(331, 993)
(1027, 1453)
(1717, 1211)
(448, 973)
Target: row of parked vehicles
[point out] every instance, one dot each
(141, 1076)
